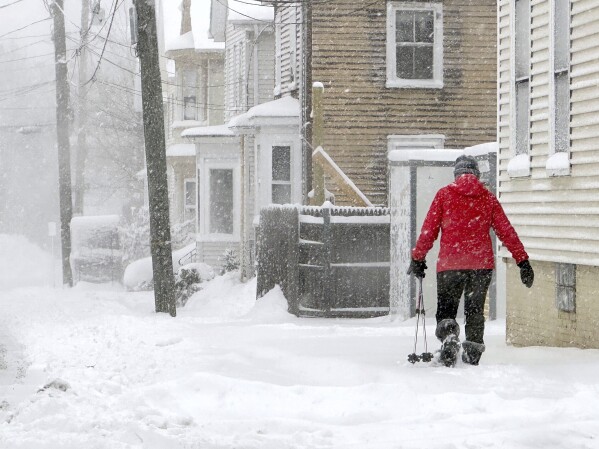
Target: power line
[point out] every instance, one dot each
(9, 4)
(104, 47)
(26, 26)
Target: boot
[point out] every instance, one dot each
(450, 348)
(471, 352)
(447, 331)
(447, 327)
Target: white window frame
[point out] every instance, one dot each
(557, 164)
(205, 195)
(392, 80)
(279, 182)
(415, 141)
(185, 89)
(519, 164)
(186, 182)
(263, 148)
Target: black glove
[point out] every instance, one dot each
(527, 275)
(417, 268)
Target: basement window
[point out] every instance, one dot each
(565, 287)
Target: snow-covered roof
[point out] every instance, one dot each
(198, 38)
(249, 11)
(286, 107)
(181, 42)
(423, 154)
(483, 148)
(181, 150)
(208, 131)
(200, 24)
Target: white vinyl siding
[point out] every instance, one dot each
(249, 67)
(288, 48)
(540, 206)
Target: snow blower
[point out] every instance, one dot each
(420, 313)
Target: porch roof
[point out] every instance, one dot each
(208, 131)
(286, 107)
(181, 150)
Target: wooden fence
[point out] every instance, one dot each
(329, 261)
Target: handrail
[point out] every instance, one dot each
(191, 255)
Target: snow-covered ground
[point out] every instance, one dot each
(230, 372)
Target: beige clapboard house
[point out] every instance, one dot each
(548, 133)
(401, 74)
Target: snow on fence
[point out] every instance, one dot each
(96, 254)
(329, 261)
(414, 178)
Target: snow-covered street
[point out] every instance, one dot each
(229, 372)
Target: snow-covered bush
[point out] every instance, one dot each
(135, 236)
(187, 282)
(230, 261)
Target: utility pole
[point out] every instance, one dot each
(62, 134)
(153, 118)
(81, 154)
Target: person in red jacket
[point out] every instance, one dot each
(464, 212)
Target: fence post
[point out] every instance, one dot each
(400, 202)
(327, 246)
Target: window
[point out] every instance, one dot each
(561, 68)
(522, 74)
(189, 81)
(565, 287)
(221, 201)
(415, 45)
(281, 174)
(189, 190)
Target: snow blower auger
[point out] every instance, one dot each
(420, 313)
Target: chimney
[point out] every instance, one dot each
(185, 16)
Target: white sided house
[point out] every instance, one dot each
(548, 133)
(193, 98)
(231, 174)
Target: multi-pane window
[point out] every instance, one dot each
(189, 81)
(221, 201)
(522, 74)
(414, 45)
(565, 287)
(189, 191)
(561, 69)
(281, 174)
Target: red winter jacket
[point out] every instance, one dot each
(465, 212)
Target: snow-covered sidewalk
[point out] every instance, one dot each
(230, 372)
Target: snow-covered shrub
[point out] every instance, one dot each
(187, 282)
(135, 236)
(230, 261)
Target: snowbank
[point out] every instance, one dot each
(140, 271)
(232, 372)
(22, 263)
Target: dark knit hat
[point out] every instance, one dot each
(466, 164)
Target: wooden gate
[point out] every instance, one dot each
(329, 261)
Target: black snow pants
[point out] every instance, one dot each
(474, 284)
